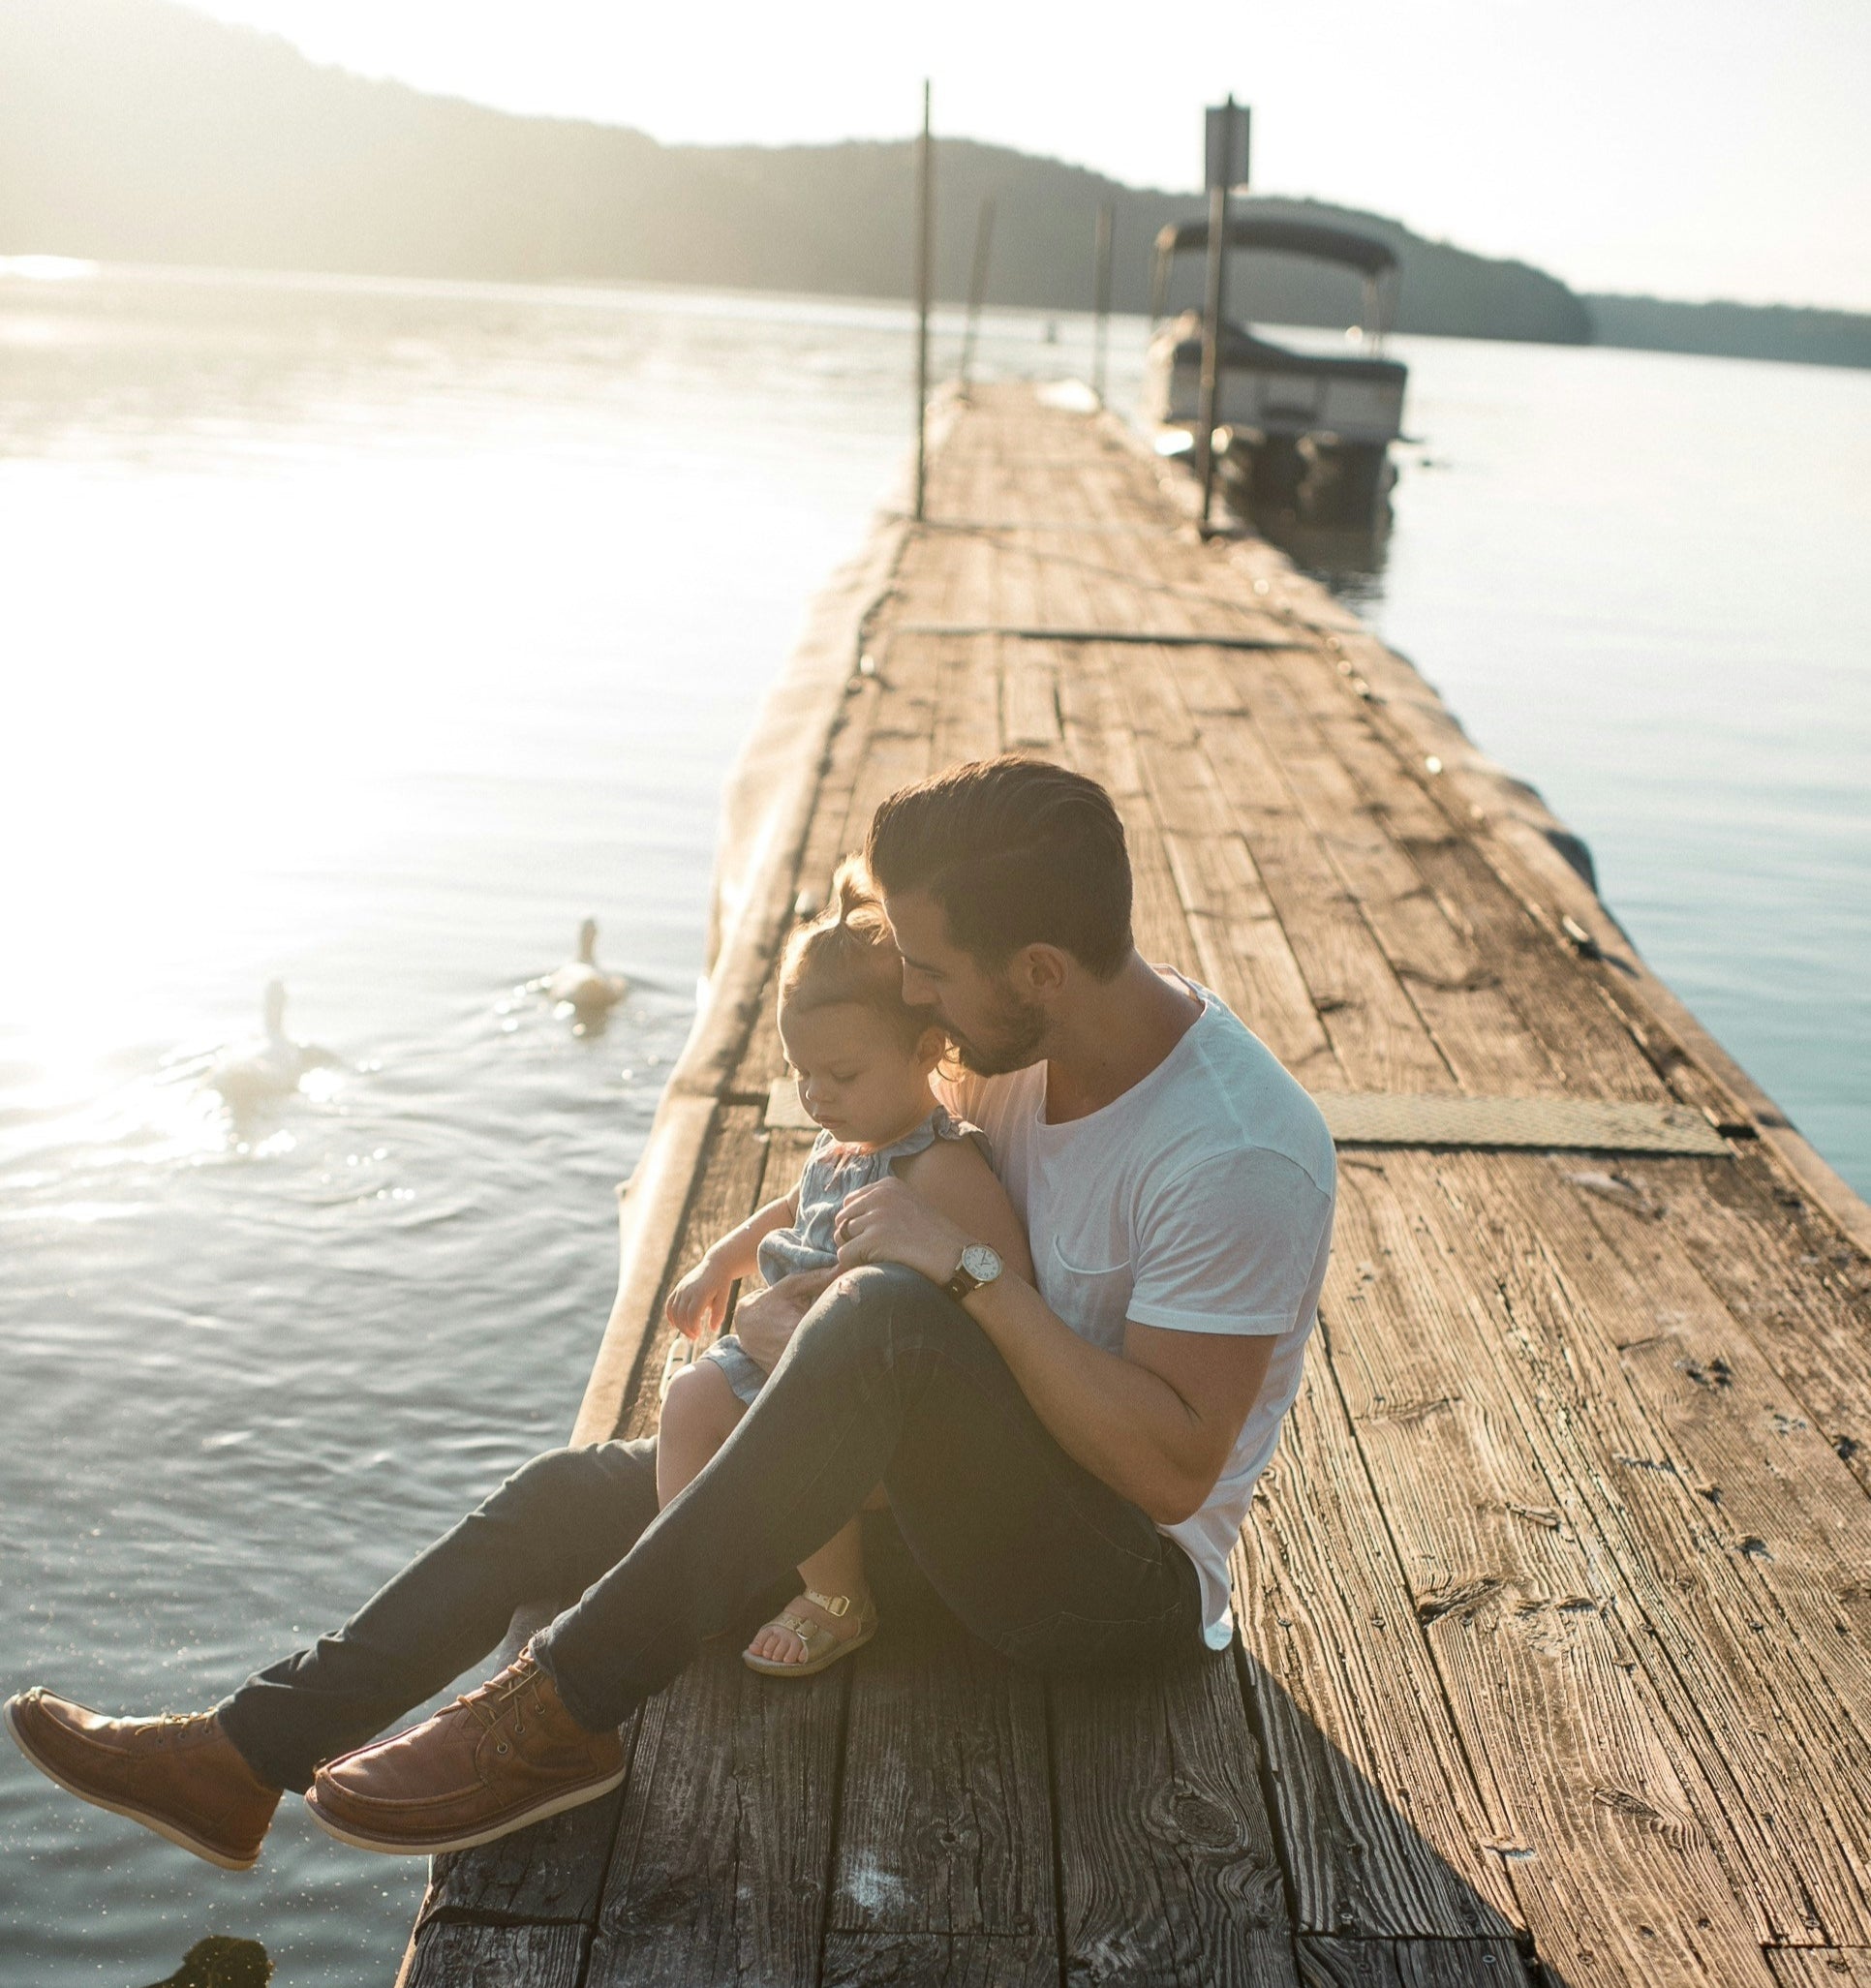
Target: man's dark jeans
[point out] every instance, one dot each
(887, 1381)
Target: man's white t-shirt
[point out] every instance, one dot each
(1200, 1200)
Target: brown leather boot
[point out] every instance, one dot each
(506, 1755)
(180, 1776)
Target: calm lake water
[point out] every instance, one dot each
(370, 635)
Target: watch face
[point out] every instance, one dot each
(981, 1262)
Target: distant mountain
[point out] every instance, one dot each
(1743, 331)
(136, 129)
(139, 131)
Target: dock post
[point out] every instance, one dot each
(925, 246)
(978, 282)
(1225, 163)
(1217, 174)
(1101, 297)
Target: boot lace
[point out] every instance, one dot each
(487, 1704)
(170, 1725)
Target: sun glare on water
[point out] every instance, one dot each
(200, 714)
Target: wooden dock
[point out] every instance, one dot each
(1556, 1602)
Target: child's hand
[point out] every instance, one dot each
(697, 1303)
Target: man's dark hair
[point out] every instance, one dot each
(1017, 852)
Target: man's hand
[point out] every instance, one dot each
(889, 1223)
(765, 1320)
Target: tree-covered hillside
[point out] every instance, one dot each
(139, 131)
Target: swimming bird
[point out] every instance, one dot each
(582, 984)
(270, 1068)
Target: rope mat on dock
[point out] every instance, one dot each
(1364, 1117)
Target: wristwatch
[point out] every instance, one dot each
(979, 1266)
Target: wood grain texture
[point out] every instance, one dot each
(1097, 742)
(929, 1960)
(1612, 1862)
(1449, 975)
(1801, 1293)
(551, 1873)
(1168, 1869)
(1030, 673)
(1447, 836)
(1334, 1963)
(945, 1826)
(462, 1954)
(1241, 952)
(1383, 1826)
(1733, 1532)
(724, 1843)
(967, 701)
(1820, 1967)
(1375, 1031)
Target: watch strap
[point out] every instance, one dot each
(962, 1283)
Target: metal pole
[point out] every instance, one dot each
(978, 282)
(1212, 305)
(1101, 292)
(925, 235)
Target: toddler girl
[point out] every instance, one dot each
(863, 1058)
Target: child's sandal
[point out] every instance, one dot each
(824, 1647)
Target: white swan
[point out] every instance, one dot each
(582, 984)
(270, 1068)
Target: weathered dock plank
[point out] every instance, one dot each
(1793, 1286)
(1384, 1826)
(944, 1836)
(1553, 1607)
(462, 1955)
(1544, 1678)
(1821, 1966)
(1169, 1870)
(719, 1871)
(1719, 1686)
(1325, 1963)
(551, 1875)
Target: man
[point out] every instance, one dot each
(1178, 1188)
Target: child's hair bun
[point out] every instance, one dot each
(854, 899)
(848, 954)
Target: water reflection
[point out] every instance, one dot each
(219, 1962)
(1348, 558)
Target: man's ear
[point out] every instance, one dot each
(1039, 971)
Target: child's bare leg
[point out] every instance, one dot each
(836, 1569)
(700, 1413)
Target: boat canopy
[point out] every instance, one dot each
(1284, 237)
(1374, 260)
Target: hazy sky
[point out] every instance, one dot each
(1689, 147)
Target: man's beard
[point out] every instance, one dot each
(1009, 1042)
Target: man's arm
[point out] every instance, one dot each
(1157, 1423)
